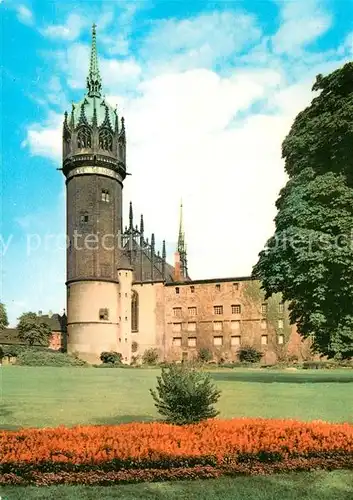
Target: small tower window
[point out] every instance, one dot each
(84, 138)
(84, 218)
(105, 140)
(103, 314)
(105, 195)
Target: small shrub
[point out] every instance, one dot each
(204, 355)
(249, 354)
(135, 360)
(111, 357)
(184, 395)
(150, 356)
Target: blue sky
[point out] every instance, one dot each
(208, 91)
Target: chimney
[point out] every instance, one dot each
(50, 313)
(40, 313)
(177, 268)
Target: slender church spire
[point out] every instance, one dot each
(181, 237)
(94, 80)
(182, 245)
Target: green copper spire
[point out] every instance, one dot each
(94, 81)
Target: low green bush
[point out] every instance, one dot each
(42, 357)
(111, 357)
(150, 357)
(204, 355)
(249, 354)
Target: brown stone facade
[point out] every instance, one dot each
(221, 315)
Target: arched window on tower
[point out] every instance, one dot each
(134, 311)
(84, 138)
(105, 140)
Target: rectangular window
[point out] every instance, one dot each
(280, 339)
(176, 327)
(192, 327)
(217, 326)
(177, 312)
(192, 341)
(264, 339)
(177, 341)
(218, 309)
(218, 287)
(218, 341)
(263, 324)
(192, 289)
(280, 323)
(235, 286)
(84, 218)
(281, 307)
(264, 309)
(235, 325)
(192, 311)
(235, 340)
(105, 195)
(236, 309)
(103, 314)
(177, 290)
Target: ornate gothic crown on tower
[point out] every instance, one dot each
(93, 125)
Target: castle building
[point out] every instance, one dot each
(122, 294)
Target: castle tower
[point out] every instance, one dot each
(94, 155)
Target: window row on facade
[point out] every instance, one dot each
(235, 287)
(219, 325)
(219, 310)
(264, 308)
(218, 341)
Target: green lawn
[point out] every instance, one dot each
(336, 485)
(46, 397)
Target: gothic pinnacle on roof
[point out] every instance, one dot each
(94, 81)
(181, 237)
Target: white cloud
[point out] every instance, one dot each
(24, 15)
(71, 30)
(302, 22)
(200, 41)
(44, 139)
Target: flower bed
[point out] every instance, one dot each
(155, 451)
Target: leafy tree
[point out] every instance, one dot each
(204, 355)
(4, 323)
(249, 354)
(184, 395)
(111, 357)
(310, 257)
(150, 356)
(33, 330)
